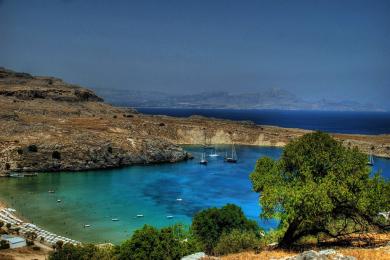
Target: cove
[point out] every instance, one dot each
(155, 192)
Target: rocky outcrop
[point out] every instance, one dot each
(23, 86)
(49, 125)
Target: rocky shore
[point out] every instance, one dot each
(47, 124)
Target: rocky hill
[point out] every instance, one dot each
(47, 124)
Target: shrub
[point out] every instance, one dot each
(59, 244)
(56, 155)
(8, 225)
(208, 225)
(236, 241)
(85, 252)
(151, 243)
(29, 242)
(1, 224)
(4, 244)
(320, 187)
(32, 148)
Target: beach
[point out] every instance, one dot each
(9, 215)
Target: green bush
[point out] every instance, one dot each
(85, 252)
(4, 244)
(151, 243)
(237, 241)
(208, 225)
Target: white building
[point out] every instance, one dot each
(14, 242)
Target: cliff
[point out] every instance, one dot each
(47, 124)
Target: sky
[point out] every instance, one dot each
(336, 49)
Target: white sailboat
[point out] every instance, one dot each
(203, 159)
(233, 157)
(214, 153)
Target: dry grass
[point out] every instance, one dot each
(262, 255)
(25, 253)
(360, 254)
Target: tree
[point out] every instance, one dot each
(84, 252)
(320, 187)
(151, 243)
(1, 224)
(208, 225)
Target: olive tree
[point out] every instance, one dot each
(320, 187)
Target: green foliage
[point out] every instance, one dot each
(208, 225)
(1, 224)
(319, 186)
(8, 225)
(151, 243)
(237, 241)
(85, 252)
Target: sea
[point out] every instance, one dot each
(164, 194)
(327, 121)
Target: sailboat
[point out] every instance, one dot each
(233, 158)
(370, 160)
(214, 153)
(203, 159)
(207, 145)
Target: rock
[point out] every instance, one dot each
(195, 256)
(327, 252)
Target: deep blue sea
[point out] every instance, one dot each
(327, 121)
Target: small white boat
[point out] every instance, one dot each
(203, 159)
(179, 199)
(169, 217)
(51, 191)
(214, 153)
(87, 225)
(58, 201)
(140, 216)
(114, 219)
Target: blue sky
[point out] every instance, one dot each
(317, 49)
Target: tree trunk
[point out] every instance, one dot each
(289, 236)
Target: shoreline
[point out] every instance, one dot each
(9, 215)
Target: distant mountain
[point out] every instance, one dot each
(272, 98)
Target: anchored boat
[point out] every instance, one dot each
(233, 157)
(203, 159)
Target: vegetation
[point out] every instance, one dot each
(320, 187)
(151, 243)
(85, 252)
(4, 244)
(209, 225)
(237, 241)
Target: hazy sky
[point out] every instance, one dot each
(318, 49)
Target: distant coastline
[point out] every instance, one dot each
(345, 122)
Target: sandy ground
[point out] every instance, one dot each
(25, 253)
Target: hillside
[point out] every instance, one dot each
(50, 125)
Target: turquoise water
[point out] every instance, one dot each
(95, 197)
